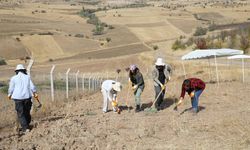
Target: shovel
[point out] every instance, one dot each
(152, 108)
(39, 106)
(128, 92)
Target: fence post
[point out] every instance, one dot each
(67, 83)
(52, 82)
(77, 80)
(93, 83)
(89, 82)
(83, 82)
(30, 66)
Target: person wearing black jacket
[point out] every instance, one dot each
(136, 78)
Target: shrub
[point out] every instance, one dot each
(217, 44)
(93, 20)
(4, 89)
(201, 43)
(2, 62)
(244, 43)
(223, 35)
(190, 42)
(178, 45)
(18, 39)
(155, 47)
(27, 57)
(111, 27)
(98, 30)
(79, 35)
(200, 31)
(108, 39)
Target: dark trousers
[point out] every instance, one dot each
(23, 108)
(160, 98)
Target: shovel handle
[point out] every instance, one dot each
(157, 98)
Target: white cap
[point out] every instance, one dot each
(20, 67)
(117, 86)
(159, 62)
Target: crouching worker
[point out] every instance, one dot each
(194, 87)
(109, 92)
(20, 90)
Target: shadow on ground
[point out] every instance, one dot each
(200, 108)
(167, 102)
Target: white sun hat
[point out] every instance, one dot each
(117, 86)
(159, 62)
(20, 67)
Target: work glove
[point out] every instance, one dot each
(191, 94)
(163, 86)
(135, 87)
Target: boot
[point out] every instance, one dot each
(137, 108)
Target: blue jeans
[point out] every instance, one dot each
(195, 100)
(137, 94)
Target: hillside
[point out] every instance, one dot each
(221, 124)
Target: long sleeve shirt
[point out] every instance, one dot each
(195, 85)
(107, 86)
(21, 87)
(155, 75)
(138, 80)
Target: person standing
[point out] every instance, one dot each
(136, 78)
(20, 90)
(109, 91)
(161, 75)
(194, 87)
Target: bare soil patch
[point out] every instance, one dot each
(113, 52)
(187, 26)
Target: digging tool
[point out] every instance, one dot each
(178, 103)
(157, 96)
(128, 92)
(118, 73)
(152, 108)
(115, 105)
(39, 104)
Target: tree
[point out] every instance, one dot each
(98, 29)
(201, 43)
(244, 43)
(200, 31)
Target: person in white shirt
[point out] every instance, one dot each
(21, 89)
(109, 91)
